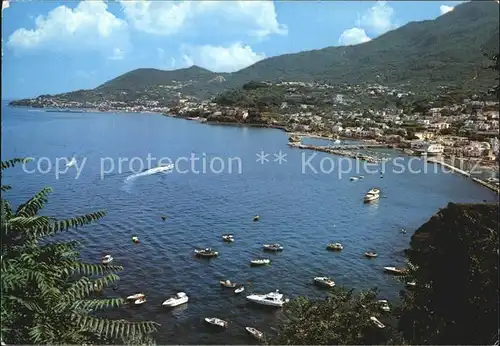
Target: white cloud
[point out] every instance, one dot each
(445, 9)
(256, 18)
(5, 4)
(353, 36)
(118, 54)
(221, 59)
(89, 26)
(379, 18)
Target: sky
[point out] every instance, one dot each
(51, 47)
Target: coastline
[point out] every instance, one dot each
(464, 173)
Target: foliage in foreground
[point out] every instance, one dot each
(47, 291)
(343, 318)
(454, 261)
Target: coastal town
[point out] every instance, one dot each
(467, 129)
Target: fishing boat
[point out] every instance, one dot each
(178, 299)
(256, 218)
(140, 301)
(273, 247)
(206, 253)
(271, 299)
(335, 246)
(107, 259)
(239, 290)
(394, 270)
(260, 262)
(136, 296)
(370, 254)
(227, 284)
(228, 238)
(324, 281)
(214, 321)
(255, 332)
(377, 322)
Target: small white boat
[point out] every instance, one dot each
(273, 247)
(207, 253)
(216, 322)
(256, 218)
(72, 162)
(324, 281)
(370, 197)
(227, 284)
(411, 284)
(107, 259)
(271, 299)
(228, 238)
(370, 254)
(375, 191)
(384, 305)
(260, 262)
(335, 246)
(239, 290)
(377, 322)
(353, 178)
(140, 301)
(394, 270)
(136, 296)
(178, 299)
(255, 332)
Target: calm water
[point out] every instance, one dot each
(303, 212)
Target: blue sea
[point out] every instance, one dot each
(223, 177)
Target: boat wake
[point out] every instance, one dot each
(151, 171)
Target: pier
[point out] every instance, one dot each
(342, 150)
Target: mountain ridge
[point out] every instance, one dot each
(425, 55)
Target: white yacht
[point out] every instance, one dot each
(178, 299)
(372, 195)
(216, 322)
(270, 299)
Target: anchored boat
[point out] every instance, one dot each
(206, 253)
(214, 321)
(260, 262)
(335, 246)
(273, 247)
(107, 259)
(395, 271)
(271, 299)
(255, 332)
(178, 299)
(324, 281)
(227, 284)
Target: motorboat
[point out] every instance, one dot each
(228, 238)
(375, 191)
(260, 262)
(384, 305)
(273, 247)
(227, 284)
(370, 197)
(353, 178)
(239, 290)
(335, 246)
(178, 299)
(411, 284)
(377, 322)
(256, 218)
(370, 254)
(207, 253)
(136, 296)
(140, 301)
(394, 270)
(271, 299)
(216, 322)
(324, 281)
(255, 332)
(107, 259)
(72, 162)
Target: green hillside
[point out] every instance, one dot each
(423, 56)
